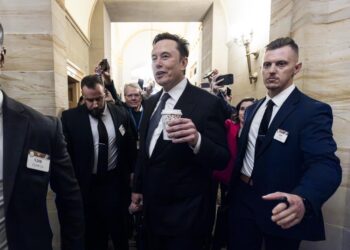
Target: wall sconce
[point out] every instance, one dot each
(253, 77)
(2, 48)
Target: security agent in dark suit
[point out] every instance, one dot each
(103, 150)
(173, 177)
(287, 166)
(33, 154)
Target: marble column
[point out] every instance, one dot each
(35, 69)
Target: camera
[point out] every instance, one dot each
(102, 67)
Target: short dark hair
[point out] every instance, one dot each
(90, 81)
(281, 42)
(182, 43)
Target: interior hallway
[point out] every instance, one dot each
(52, 44)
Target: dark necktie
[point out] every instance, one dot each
(154, 121)
(264, 126)
(102, 162)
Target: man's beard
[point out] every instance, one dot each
(97, 112)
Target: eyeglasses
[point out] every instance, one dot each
(97, 99)
(133, 95)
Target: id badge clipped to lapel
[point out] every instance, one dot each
(38, 161)
(281, 135)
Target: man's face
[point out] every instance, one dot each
(167, 64)
(279, 67)
(94, 99)
(132, 97)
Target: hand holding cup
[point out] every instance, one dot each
(182, 130)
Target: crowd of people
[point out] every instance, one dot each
(118, 167)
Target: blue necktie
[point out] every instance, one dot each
(154, 121)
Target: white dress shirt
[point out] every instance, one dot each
(175, 94)
(248, 162)
(112, 145)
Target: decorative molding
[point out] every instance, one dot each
(74, 71)
(61, 4)
(77, 29)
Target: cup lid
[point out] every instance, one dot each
(171, 112)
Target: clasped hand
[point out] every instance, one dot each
(136, 204)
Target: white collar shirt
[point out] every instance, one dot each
(248, 162)
(112, 144)
(175, 94)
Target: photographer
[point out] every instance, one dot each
(103, 70)
(217, 82)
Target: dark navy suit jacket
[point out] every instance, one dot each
(305, 164)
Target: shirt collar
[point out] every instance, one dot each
(105, 110)
(279, 99)
(178, 89)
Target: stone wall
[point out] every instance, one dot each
(207, 42)
(33, 44)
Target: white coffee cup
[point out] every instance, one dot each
(167, 116)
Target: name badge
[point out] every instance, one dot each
(122, 130)
(38, 161)
(281, 135)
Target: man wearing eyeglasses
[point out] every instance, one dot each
(103, 151)
(133, 100)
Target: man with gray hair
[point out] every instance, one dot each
(133, 100)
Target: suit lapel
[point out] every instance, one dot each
(287, 107)
(85, 127)
(186, 101)
(15, 128)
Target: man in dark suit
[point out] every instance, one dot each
(287, 166)
(173, 177)
(103, 150)
(33, 154)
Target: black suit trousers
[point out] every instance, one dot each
(244, 232)
(184, 242)
(106, 213)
